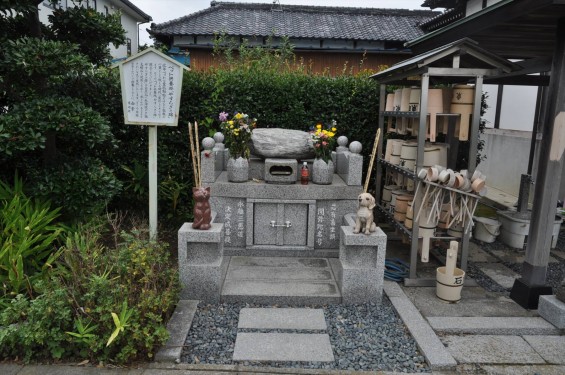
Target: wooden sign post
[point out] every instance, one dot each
(151, 87)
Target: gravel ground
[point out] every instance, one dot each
(363, 337)
(555, 271)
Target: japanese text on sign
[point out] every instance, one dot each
(151, 90)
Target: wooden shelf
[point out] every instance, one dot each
(397, 168)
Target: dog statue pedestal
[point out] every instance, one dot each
(362, 259)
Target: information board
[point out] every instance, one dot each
(151, 87)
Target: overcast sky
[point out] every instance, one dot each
(166, 10)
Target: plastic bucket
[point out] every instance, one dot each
(448, 287)
(486, 229)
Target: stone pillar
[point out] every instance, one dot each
(362, 259)
(208, 160)
(527, 290)
(202, 265)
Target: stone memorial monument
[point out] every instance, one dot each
(273, 215)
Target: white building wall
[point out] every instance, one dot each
(128, 20)
(517, 108)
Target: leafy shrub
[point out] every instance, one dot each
(104, 304)
(28, 240)
(84, 187)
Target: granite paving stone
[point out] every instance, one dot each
(283, 318)
(516, 257)
(501, 274)
(428, 343)
(475, 301)
(297, 347)
(491, 349)
(523, 370)
(493, 325)
(551, 348)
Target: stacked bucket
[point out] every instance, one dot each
(458, 99)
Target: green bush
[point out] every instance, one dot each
(29, 237)
(103, 305)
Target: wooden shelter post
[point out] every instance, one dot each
(532, 284)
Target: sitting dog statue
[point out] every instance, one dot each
(364, 220)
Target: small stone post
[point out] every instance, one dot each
(202, 265)
(362, 259)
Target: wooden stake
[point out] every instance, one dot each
(197, 140)
(375, 145)
(192, 154)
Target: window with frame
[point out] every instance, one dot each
(128, 46)
(61, 4)
(106, 10)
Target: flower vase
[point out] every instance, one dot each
(238, 169)
(322, 172)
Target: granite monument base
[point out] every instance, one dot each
(202, 265)
(362, 259)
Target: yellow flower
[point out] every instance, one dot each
(230, 122)
(334, 129)
(231, 126)
(319, 126)
(238, 116)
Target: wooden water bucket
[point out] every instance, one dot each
(414, 101)
(387, 194)
(401, 207)
(394, 195)
(408, 154)
(405, 107)
(389, 107)
(435, 106)
(447, 93)
(397, 99)
(462, 101)
(395, 152)
(432, 156)
(408, 222)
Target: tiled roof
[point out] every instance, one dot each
(296, 21)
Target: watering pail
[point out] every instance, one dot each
(486, 229)
(448, 287)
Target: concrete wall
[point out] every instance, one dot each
(517, 108)
(507, 154)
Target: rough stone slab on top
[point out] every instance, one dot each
(284, 318)
(296, 347)
(282, 143)
(491, 349)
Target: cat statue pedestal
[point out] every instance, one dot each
(202, 264)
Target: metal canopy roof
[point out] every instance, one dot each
(470, 60)
(513, 29)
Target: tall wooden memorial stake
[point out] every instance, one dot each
(151, 87)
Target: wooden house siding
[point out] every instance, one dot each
(318, 62)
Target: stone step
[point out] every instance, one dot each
(282, 280)
(287, 347)
(492, 325)
(282, 318)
